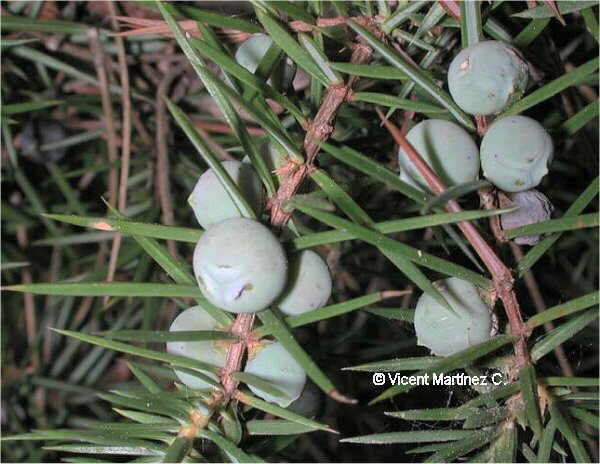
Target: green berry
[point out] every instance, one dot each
(273, 157)
(310, 402)
(448, 150)
(211, 202)
(240, 265)
(251, 52)
(446, 333)
(274, 364)
(309, 284)
(487, 77)
(515, 153)
(196, 318)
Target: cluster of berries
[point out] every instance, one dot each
(242, 267)
(484, 79)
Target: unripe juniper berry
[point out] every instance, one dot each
(515, 153)
(211, 202)
(208, 351)
(487, 77)
(274, 364)
(309, 284)
(240, 265)
(448, 150)
(446, 333)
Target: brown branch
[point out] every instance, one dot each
(79, 52)
(154, 26)
(31, 324)
(318, 131)
(488, 201)
(407, 118)
(501, 275)
(101, 72)
(451, 7)
(99, 63)
(222, 128)
(140, 128)
(242, 327)
(301, 26)
(125, 148)
(162, 162)
(126, 119)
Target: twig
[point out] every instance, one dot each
(88, 177)
(488, 201)
(385, 294)
(140, 128)
(107, 110)
(318, 131)
(214, 146)
(162, 162)
(155, 26)
(221, 128)
(29, 303)
(501, 275)
(452, 8)
(587, 91)
(151, 73)
(154, 57)
(126, 102)
(406, 299)
(408, 117)
(126, 147)
(31, 326)
(301, 26)
(81, 53)
(242, 327)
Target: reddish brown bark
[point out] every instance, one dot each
(318, 131)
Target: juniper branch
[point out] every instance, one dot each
(501, 275)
